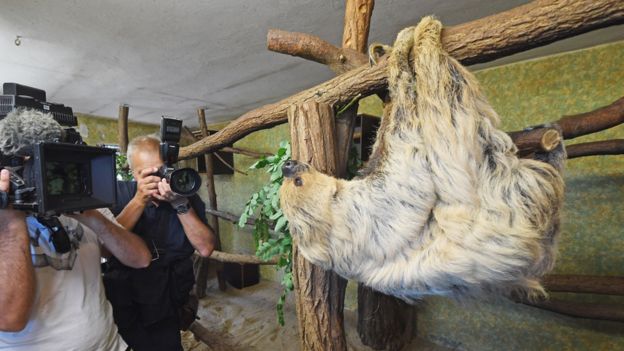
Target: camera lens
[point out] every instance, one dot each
(185, 181)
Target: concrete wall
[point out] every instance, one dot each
(592, 238)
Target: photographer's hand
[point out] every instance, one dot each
(166, 194)
(147, 189)
(17, 276)
(147, 185)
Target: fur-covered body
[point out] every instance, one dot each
(445, 206)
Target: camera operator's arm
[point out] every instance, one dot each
(147, 186)
(127, 247)
(199, 234)
(17, 276)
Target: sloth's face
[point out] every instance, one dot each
(295, 170)
(304, 187)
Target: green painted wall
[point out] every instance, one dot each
(100, 130)
(592, 238)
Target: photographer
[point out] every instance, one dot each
(147, 302)
(54, 301)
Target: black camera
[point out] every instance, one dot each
(59, 173)
(183, 181)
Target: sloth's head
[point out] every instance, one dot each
(306, 193)
(304, 185)
(306, 198)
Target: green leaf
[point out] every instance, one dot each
(242, 221)
(280, 224)
(259, 164)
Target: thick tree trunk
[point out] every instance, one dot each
(319, 294)
(122, 129)
(532, 25)
(384, 322)
(213, 221)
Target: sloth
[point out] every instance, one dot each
(444, 206)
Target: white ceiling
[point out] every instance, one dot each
(166, 57)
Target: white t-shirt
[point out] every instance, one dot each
(70, 310)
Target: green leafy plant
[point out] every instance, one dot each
(123, 170)
(270, 232)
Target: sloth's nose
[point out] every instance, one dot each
(289, 168)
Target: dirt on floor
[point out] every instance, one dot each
(246, 320)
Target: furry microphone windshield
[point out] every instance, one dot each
(21, 129)
(445, 206)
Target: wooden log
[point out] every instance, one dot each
(608, 312)
(213, 339)
(590, 284)
(122, 128)
(522, 28)
(594, 121)
(315, 49)
(240, 258)
(604, 147)
(319, 294)
(202, 271)
(539, 139)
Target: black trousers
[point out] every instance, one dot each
(160, 336)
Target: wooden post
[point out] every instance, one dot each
(319, 294)
(122, 128)
(202, 270)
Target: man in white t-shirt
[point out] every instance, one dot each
(53, 301)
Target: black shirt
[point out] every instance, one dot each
(142, 297)
(159, 226)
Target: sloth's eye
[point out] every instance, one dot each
(298, 181)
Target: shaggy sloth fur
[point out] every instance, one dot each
(445, 206)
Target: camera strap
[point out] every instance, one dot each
(4, 199)
(59, 237)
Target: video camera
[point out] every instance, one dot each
(59, 173)
(183, 181)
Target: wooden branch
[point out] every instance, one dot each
(539, 139)
(197, 135)
(535, 24)
(607, 312)
(525, 27)
(215, 154)
(313, 48)
(230, 216)
(122, 129)
(249, 153)
(594, 121)
(240, 258)
(605, 147)
(590, 284)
